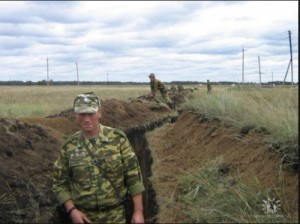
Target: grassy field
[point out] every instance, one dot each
(275, 109)
(40, 101)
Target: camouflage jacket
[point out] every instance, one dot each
(157, 85)
(77, 178)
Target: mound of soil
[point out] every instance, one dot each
(194, 139)
(25, 150)
(27, 153)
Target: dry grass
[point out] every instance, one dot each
(40, 101)
(275, 109)
(208, 195)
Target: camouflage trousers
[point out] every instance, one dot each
(163, 99)
(116, 215)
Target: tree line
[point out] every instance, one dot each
(74, 83)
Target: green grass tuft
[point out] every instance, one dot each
(209, 195)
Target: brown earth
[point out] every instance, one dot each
(194, 139)
(29, 147)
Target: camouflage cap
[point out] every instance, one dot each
(151, 75)
(86, 103)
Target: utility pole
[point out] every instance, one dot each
(287, 72)
(77, 74)
(291, 61)
(47, 73)
(259, 70)
(106, 78)
(243, 68)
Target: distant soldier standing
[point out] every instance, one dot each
(208, 86)
(180, 87)
(173, 88)
(96, 168)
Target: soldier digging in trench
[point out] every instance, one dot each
(157, 85)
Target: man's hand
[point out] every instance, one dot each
(137, 217)
(79, 217)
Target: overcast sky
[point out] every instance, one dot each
(127, 40)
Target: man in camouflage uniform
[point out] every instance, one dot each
(180, 87)
(173, 88)
(208, 86)
(156, 85)
(92, 194)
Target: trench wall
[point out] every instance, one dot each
(136, 136)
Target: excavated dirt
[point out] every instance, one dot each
(193, 140)
(29, 147)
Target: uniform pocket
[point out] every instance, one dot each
(81, 173)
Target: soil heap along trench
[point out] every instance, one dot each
(30, 146)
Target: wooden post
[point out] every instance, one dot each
(291, 61)
(77, 74)
(243, 68)
(47, 73)
(259, 70)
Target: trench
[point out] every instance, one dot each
(136, 136)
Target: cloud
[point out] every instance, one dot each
(126, 40)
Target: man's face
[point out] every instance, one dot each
(89, 122)
(151, 79)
